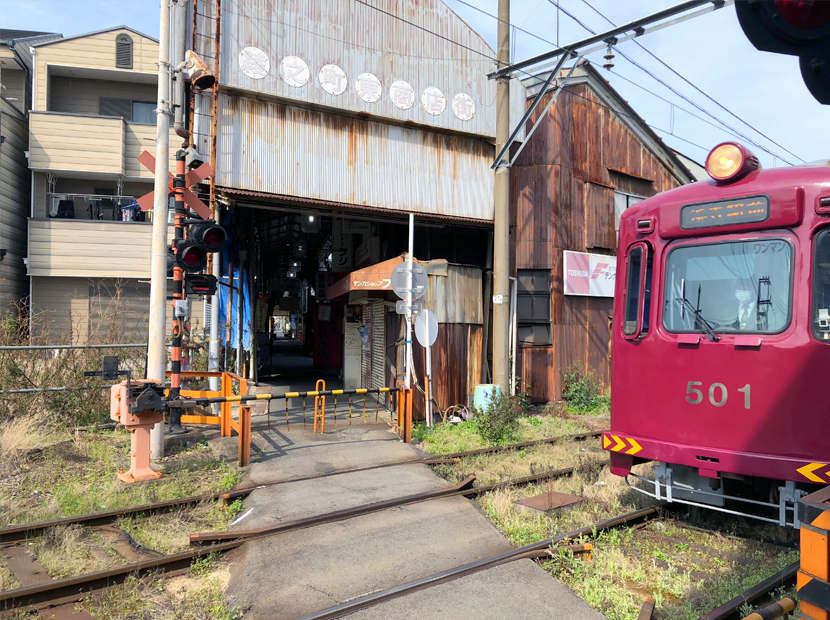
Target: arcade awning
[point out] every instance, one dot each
(372, 278)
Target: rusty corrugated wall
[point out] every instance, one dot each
(283, 149)
(563, 188)
(422, 43)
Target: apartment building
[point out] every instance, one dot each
(92, 115)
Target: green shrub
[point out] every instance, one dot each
(499, 421)
(583, 390)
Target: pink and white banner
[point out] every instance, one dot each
(591, 275)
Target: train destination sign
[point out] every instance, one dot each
(725, 212)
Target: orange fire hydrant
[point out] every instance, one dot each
(137, 405)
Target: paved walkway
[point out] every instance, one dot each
(297, 573)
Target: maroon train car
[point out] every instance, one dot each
(721, 339)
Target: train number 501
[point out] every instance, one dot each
(718, 394)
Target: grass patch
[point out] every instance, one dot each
(79, 477)
(687, 571)
(446, 438)
(198, 596)
(7, 578)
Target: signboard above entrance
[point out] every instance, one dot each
(589, 275)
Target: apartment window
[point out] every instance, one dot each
(144, 112)
(141, 112)
(123, 52)
(533, 307)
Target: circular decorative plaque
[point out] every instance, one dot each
(463, 106)
(254, 62)
(433, 101)
(294, 71)
(333, 79)
(368, 87)
(402, 94)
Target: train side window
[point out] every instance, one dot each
(632, 321)
(820, 322)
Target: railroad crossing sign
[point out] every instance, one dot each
(426, 328)
(400, 307)
(419, 280)
(191, 178)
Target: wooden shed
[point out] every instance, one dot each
(590, 158)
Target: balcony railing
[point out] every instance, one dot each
(95, 207)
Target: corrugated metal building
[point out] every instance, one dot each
(359, 112)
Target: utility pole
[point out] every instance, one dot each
(156, 350)
(501, 215)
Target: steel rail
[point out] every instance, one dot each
(730, 608)
(71, 587)
(22, 532)
(524, 444)
(461, 571)
(464, 488)
(61, 588)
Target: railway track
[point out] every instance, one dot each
(55, 594)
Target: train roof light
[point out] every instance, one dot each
(729, 161)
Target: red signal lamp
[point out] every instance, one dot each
(730, 161)
(209, 235)
(190, 256)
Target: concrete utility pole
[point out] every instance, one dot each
(156, 351)
(501, 219)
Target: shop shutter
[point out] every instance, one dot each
(378, 344)
(366, 355)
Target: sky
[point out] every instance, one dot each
(764, 91)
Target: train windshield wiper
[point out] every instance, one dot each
(701, 321)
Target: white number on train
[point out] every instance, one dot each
(718, 394)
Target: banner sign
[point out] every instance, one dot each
(590, 275)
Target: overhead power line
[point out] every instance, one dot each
(679, 94)
(721, 125)
(690, 83)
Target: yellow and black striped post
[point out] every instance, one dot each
(814, 573)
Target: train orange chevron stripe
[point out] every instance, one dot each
(620, 445)
(808, 471)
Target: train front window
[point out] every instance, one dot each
(821, 286)
(733, 287)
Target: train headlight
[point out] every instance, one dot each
(729, 161)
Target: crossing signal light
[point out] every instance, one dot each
(190, 256)
(209, 235)
(206, 237)
(200, 284)
(794, 27)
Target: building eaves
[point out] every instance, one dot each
(89, 34)
(7, 34)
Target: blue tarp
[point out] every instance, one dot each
(246, 303)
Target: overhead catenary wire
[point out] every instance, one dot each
(719, 126)
(678, 93)
(690, 83)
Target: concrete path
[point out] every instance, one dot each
(297, 573)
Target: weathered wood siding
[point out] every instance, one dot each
(563, 188)
(97, 51)
(15, 186)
